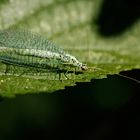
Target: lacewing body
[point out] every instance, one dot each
(25, 49)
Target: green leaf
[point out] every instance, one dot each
(70, 24)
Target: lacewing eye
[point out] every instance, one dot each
(26, 49)
(84, 67)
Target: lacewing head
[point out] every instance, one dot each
(73, 61)
(84, 67)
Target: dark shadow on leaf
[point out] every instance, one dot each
(116, 16)
(100, 109)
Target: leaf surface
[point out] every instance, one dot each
(72, 25)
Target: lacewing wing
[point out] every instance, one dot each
(26, 49)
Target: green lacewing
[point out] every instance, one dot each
(26, 49)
